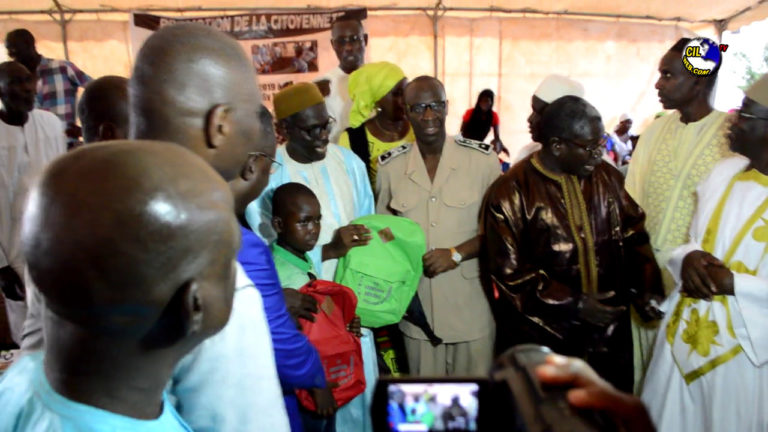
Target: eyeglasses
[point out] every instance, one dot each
(317, 130)
(749, 116)
(592, 148)
(275, 165)
(343, 40)
(421, 108)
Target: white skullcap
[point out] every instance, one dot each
(624, 117)
(554, 87)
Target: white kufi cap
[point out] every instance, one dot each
(554, 87)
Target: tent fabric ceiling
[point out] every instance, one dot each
(683, 10)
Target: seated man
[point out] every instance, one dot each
(565, 251)
(117, 323)
(709, 370)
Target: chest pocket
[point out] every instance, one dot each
(403, 201)
(458, 199)
(461, 192)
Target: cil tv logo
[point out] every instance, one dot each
(702, 56)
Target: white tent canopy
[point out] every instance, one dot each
(734, 12)
(612, 48)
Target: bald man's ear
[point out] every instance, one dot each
(181, 317)
(218, 125)
(192, 307)
(277, 224)
(250, 168)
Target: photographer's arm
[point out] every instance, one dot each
(592, 392)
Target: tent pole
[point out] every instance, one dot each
(435, 16)
(62, 21)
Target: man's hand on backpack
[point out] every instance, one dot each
(324, 401)
(300, 305)
(344, 239)
(438, 261)
(355, 327)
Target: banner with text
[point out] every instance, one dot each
(284, 47)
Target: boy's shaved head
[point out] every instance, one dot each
(287, 195)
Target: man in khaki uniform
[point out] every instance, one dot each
(439, 182)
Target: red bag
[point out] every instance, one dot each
(339, 349)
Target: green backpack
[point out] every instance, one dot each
(385, 273)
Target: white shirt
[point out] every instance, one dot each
(24, 152)
(229, 382)
(338, 101)
(709, 370)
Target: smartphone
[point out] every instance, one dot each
(421, 404)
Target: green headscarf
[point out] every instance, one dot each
(368, 85)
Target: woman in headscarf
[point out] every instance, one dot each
(477, 121)
(377, 120)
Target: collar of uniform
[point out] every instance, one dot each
(416, 169)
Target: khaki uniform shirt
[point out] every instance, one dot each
(447, 210)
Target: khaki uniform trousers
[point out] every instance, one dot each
(473, 357)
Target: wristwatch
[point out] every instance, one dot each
(456, 256)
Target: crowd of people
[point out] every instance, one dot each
(157, 286)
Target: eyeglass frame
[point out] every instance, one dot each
(315, 130)
(274, 164)
(589, 149)
(434, 106)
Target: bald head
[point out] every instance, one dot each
(287, 197)
(568, 117)
(425, 81)
(103, 109)
(112, 236)
(194, 86)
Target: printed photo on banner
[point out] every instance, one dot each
(287, 57)
(284, 47)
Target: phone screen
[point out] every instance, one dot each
(437, 406)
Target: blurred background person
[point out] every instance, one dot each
(478, 121)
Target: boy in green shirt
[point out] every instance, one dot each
(296, 220)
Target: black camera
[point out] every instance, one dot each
(511, 399)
